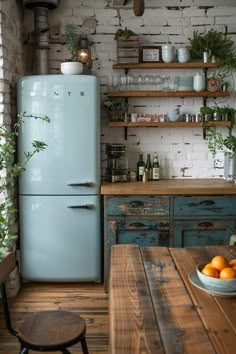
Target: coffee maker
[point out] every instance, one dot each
(117, 163)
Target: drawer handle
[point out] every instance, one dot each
(205, 224)
(137, 225)
(136, 204)
(207, 202)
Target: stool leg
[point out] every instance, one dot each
(84, 346)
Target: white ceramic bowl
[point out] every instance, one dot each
(173, 117)
(71, 68)
(216, 283)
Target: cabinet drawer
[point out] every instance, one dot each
(138, 205)
(202, 233)
(205, 206)
(139, 232)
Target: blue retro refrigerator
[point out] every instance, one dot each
(59, 201)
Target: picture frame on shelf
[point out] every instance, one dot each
(150, 54)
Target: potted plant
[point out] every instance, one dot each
(217, 142)
(10, 168)
(72, 66)
(219, 45)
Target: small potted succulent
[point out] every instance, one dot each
(72, 66)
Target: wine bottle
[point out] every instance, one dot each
(155, 168)
(140, 168)
(148, 167)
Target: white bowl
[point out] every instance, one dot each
(71, 68)
(216, 283)
(173, 117)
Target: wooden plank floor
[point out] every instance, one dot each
(89, 300)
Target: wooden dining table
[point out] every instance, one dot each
(154, 307)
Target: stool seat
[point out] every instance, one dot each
(46, 331)
(51, 329)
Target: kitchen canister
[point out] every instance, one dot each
(199, 82)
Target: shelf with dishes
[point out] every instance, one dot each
(167, 94)
(189, 65)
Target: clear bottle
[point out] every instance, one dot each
(155, 168)
(148, 167)
(140, 168)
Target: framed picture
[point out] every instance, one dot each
(150, 54)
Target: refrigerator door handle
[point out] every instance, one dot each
(85, 206)
(85, 184)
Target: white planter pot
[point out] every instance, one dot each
(71, 68)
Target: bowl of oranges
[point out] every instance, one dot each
(219, 274)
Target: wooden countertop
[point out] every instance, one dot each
(171, 187)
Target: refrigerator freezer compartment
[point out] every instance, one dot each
(60, 238)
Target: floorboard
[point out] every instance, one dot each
(89, 300)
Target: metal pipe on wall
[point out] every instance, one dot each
(41, 31)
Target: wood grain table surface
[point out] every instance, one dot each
(209, 186)
(154, 308)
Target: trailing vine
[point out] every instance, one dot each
(12, 169)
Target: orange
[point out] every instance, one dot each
(210, 272)
(209, 265)
(232, 263)
(227, 273)
(219, 262)
(234, 267)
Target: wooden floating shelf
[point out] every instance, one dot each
(170, 124)
(167, 94)
(190, 65)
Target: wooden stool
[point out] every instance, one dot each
(47, 331)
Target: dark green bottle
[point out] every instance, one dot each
(140, 168)
(148, 167)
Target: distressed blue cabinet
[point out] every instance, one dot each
(178, 221)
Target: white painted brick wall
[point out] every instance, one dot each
(11, 59)
(177, 147)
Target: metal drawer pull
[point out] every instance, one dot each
(137, 225)
(136, 204)
(207, 202)
(205, 224)
(85, 184)
(85, 206)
